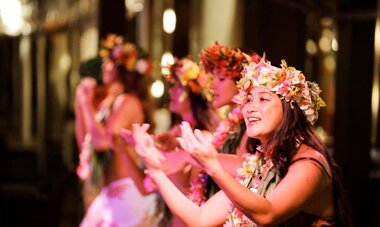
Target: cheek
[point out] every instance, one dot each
(274, 115)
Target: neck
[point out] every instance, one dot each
(188, 116)
(115, 88)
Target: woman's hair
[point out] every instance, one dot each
(138, 85)
(293, 130)
(205, 116)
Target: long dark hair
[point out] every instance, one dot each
(138, 85)
(284, 145)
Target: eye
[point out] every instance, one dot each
(222, 78)
(249, 99)
(263, 99)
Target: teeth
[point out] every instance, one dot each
(253, 119)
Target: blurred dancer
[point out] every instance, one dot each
(105, 160)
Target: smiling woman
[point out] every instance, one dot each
(279, 108)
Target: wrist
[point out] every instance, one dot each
(156, 174)
(214, 169)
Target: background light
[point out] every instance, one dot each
(11, 16)
(169, 20)
(157, 89)
(167, 60)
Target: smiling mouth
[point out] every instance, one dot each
(252, 120)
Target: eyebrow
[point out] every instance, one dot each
(261, 92)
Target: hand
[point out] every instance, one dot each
(86, 90)
(175, 161)
(199, 145)
(145, 147)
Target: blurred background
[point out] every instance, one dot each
(44, 42)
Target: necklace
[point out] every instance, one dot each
(251, 174)
(224, 129)
(227, 127)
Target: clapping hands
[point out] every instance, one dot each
(144, 146)
(199, 145)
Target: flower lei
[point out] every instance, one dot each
(227, 127)
(254, 168)
(198, 189)
(287, 82)
(222, 60)
(83, 170)
(132, 57)
(190, 75)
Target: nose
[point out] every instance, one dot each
(250, 107)
(213, 83)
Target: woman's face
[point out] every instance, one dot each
(179, 101)
(263, 113)
(223, 89)
(109, 72)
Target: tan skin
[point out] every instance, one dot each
(106, 135)
(223, 90)
(181, 178)
(291, 196)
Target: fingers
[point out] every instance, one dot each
(188, 138)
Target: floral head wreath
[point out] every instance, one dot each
(287, 82)
(218, 59)
(190, 75)
(133, 58)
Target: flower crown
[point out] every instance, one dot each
(190, 75)
(218, 59)
(133, 58)
(287, 82)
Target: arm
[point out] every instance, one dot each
(289, 197)
(212, 213)
(80, 129)
(175, 161)
(127, 109)
(84, 104)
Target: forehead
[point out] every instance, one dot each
(258, 90)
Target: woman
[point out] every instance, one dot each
(224, 64)
(189, 101)
(288, 180)
(105, 160)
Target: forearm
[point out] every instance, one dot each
(230, 163)
(96, 129)
(251, 204)
(178, 203)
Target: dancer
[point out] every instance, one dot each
(105, 160)
(189, 100)
(289, 179)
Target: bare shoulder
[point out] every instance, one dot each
(127, 100)
(312, 156)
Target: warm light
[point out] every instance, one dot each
(167, 59)
(169, 21)
(311, 47)
(334, 45)
(134, 5)
(326, 21)
(329, 63)
(325, 44)
(11, 16)
(157, 89)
